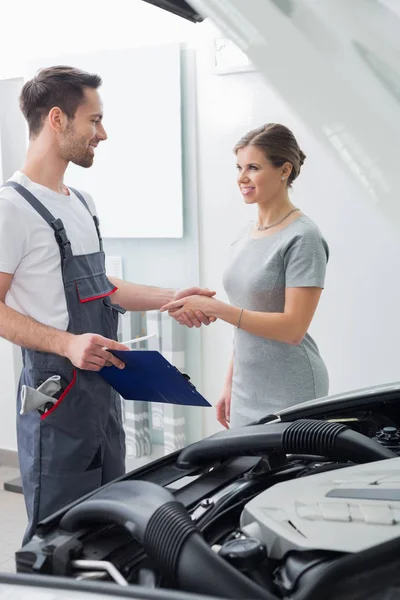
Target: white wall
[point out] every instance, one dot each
(357, 325)
(8, 391)
(102, 25)
(81, 26)
(12, 146)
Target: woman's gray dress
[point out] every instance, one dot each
(269, 375)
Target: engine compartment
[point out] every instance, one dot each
(267, 511)
(347, 510)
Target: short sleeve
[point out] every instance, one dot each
(12, 237)
(305, 261)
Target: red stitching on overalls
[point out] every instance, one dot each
(95, 297)
(61, 398)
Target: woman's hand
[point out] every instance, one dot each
(223, 407)
(192, 305)
(193, 319)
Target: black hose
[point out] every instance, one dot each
(358, 448)
(170, 538)
(316, 437)
(305, 436)
(335, 440)
(243, 441)
(127, 503)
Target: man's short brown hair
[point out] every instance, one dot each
(60, 86)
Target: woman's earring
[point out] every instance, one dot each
(282, 178)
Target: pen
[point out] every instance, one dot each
(139, 339)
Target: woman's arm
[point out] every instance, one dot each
(304, 263)
(289, 327)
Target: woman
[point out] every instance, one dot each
(274, 283)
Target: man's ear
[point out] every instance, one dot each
(57, 119)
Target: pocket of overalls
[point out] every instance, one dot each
(67, 413)
(94, 287)
(70, 434)
(64, 393)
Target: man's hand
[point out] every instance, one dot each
(207, 305)
(193, 318)
(89, 351)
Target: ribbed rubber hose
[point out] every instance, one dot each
(169, 536)
(306, 436)
(311, 437)
(334, 440)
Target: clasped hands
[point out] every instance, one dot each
(192, 307)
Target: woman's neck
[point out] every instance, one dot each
(273, 210)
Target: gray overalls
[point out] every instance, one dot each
(79, 444)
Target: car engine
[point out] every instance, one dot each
(302, 508)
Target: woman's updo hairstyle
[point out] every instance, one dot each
(278, 144)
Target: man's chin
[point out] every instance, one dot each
(88, 162)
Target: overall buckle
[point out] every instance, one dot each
(61, 237)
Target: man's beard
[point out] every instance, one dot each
(76, 150)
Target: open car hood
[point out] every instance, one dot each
(328, 60)
(384, 397)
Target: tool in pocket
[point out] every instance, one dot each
(41, 398)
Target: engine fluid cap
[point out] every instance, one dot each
(388, 436)
(243, 552)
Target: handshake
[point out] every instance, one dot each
(193, 307)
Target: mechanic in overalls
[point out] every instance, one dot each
(57, 303)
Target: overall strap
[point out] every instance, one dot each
(56, 224)
(95, 218)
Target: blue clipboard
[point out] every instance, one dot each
(149, 377)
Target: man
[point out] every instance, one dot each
(57, 303)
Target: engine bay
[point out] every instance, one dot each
(274, 510)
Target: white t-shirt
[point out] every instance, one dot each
(29, 250)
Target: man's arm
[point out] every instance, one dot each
(85, 351)
(133, 296)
